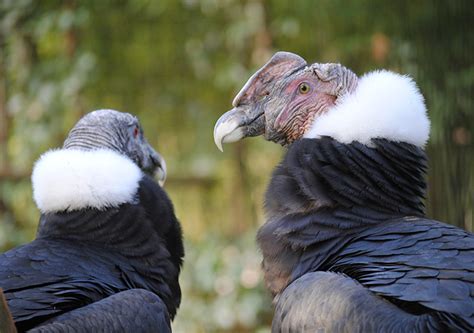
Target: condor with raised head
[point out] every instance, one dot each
(346, 245)
(108, 250)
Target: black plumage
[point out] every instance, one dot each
(128, 311)
(108, 249)
(346, 246)
(357, 212)
(81, 257)
(352, 308)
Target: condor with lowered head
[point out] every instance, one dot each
(108, 250)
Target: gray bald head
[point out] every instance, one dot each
(120, 132)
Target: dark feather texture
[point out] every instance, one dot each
(333, 302)
(134, 310)
(357, 210)
(82, 257)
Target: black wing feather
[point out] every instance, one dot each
(134, 310)
(424, 261)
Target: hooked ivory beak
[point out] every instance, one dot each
(238, 123)
(160, 171)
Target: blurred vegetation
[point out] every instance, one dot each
(177, 65)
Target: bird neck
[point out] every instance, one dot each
(75, 179)
(353, 182)
(124, 229)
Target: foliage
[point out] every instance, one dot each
(223, 287)
(177, 65)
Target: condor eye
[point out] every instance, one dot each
(136, 131)
(303, 88)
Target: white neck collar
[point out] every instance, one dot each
(70, 179)
(384, 105)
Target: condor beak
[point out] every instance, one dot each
(240, 122)
(160, 171)
(154, 165)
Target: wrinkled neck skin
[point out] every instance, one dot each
(324, 193)
(295, 118)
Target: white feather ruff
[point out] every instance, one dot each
(68, 180)
(384, 105)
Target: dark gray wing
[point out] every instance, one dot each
(134, 310)
(332, 302)
(419, 264)
(48, 277)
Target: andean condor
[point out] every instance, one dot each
(346, 245)
(108, 249)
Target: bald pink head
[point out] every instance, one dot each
(282, 99)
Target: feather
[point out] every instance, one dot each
(373, 232)
(81, 257)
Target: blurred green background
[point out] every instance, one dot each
(177, 65)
